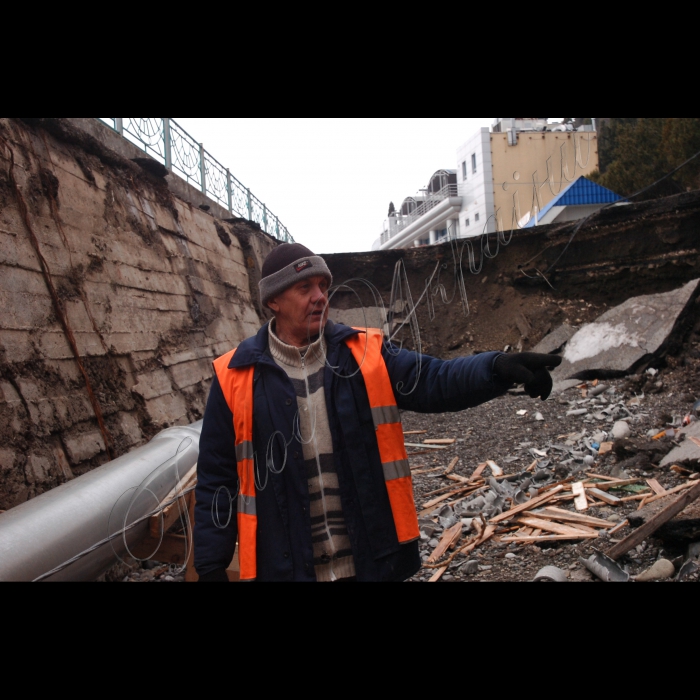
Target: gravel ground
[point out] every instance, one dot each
(495, 431)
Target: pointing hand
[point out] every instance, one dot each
(528, 368)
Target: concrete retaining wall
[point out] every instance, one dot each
(151, 286)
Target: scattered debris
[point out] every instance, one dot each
(660, 571)
(550, 573)
(605, 568)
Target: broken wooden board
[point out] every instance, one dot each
(652, 525)
(682, 528)
(580, 500)
(528, 505)
(605, 497)
(440, 441)
(437, 575)
(478, 472)
(427, 447)
(415, 432)
(495, 469)
(656, 487)
(451, 466)
(565, 515)
(556, 528)
(549, 538)
(448, 538)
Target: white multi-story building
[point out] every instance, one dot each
(504, 176)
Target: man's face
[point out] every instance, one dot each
(301, 310)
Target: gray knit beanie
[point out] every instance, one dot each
(286, 265)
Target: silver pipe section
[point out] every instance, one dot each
(80, 529)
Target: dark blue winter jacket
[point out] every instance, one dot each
(284, 550)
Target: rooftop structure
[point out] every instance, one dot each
(502, 177)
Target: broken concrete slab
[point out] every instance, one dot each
(625, 337)
(556, 340)
(688, 450)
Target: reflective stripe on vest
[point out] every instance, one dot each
(237, 387)
(367, 351)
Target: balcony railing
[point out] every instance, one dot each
(398, 222)
(168, 143)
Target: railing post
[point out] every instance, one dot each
(229, 191)
(119, 125)
(265, 218)
(250, 207)
(277, 228)
(167, 144)
(203, 169)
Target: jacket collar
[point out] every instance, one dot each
(255, 349)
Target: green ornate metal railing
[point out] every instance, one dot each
(167, 142)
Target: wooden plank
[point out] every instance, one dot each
(440, 499)
(682, 487)
(425, 471)
(427, 447)
(495, 469)
(549, 538)
(528, 505)
(608, 485)
(437, 575)
(451, 466)
(163, 521)
(565, 515)
(415, 432)
(457, 477)
(592, 475)
(605, 497)
(652, 525)
(618, 527)
(440, 441)
(531, 468)
(556, 528)
(448, 538)
(638, 497)
(657, 488)
(580, 500)
(478, 471)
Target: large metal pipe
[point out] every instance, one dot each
(74, 532)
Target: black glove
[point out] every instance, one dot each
(528, 368)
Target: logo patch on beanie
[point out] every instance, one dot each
(302, 265)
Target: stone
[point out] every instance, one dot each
(510, 555)
(555, 340)
(83, 447)
(661, 570)
(470, 568)
(687, 450)
(626, 335)
(614, 518)
(153, 385)
(130, 428)
(38, 468)
(620, 430)
(7, 459)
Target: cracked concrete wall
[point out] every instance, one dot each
(151, 287)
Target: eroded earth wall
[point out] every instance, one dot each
(138, 291)
(546, 276)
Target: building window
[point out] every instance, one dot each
(476, 217)
(464, 170)
(466, 223)
(473, 162)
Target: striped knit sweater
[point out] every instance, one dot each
(331, 544)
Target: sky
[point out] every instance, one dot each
(330, 181)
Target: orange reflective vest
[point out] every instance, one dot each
(237, 388)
